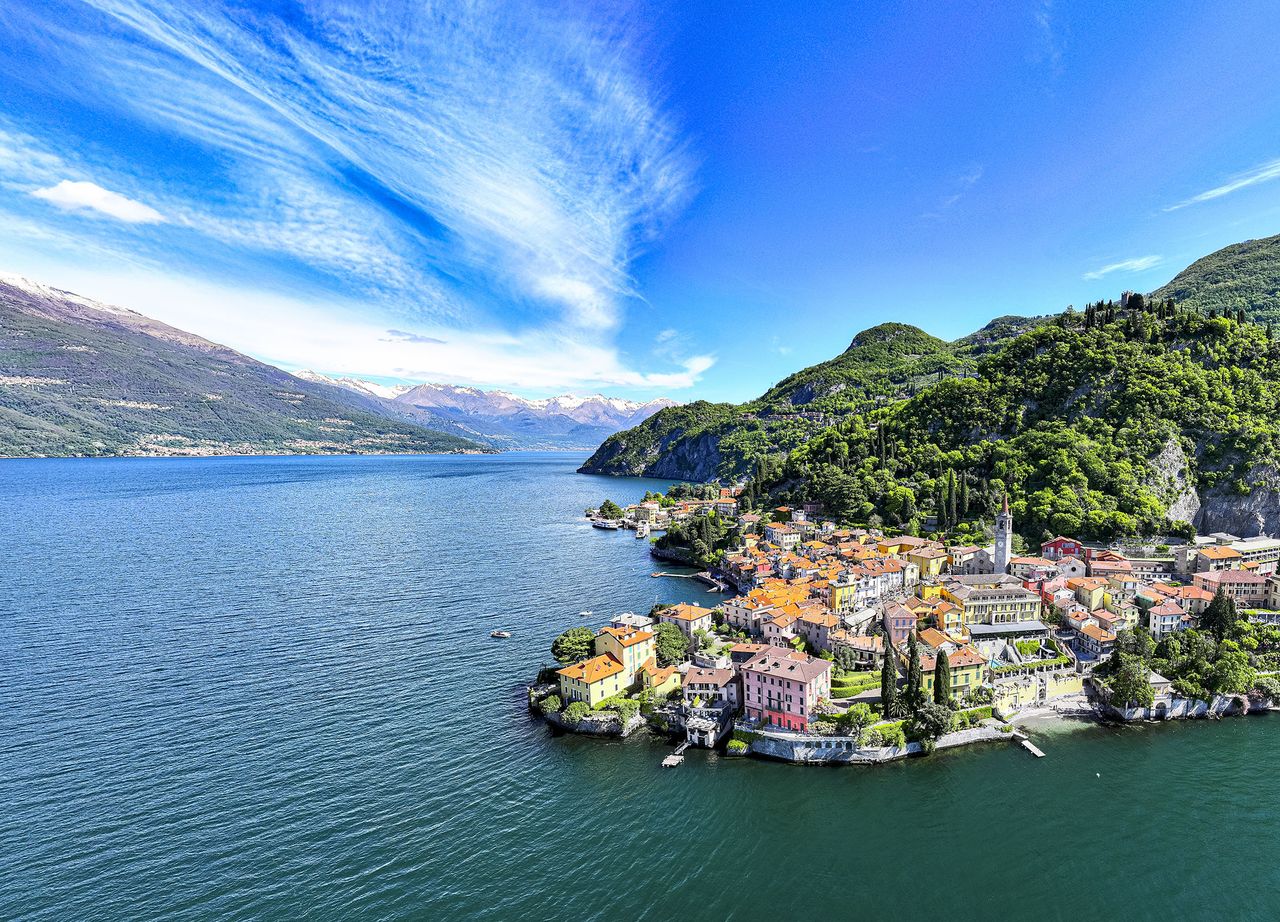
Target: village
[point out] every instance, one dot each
(839, 644)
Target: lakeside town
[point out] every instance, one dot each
(838, 644)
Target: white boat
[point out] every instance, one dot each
(642, 530)
(499, 633)
(610, 524)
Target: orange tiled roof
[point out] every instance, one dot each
(593, 670)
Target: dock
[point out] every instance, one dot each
(1031, 748)
(676, 757)
(675, 575)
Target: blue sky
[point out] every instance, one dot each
(691, 200)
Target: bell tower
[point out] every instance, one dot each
(1004, 537)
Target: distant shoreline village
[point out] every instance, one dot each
(848, 644)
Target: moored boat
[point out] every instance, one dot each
(499, 633)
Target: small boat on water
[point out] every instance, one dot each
(585, 614)
(499, 633)
(609, 524)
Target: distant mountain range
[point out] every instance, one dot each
(503, 419)
(78, 377)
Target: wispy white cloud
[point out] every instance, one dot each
(1138, 264)
(961, 186)
(476, 165)
(1264, 172)
(1052, 38)
(88, 196)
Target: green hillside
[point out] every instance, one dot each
(1118, 422)
(703, 441)
(1244, 276)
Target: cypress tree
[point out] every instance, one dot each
(942, 679)
(951, 489)
(915, 675)
(889, 685)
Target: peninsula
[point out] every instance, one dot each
(840, 643)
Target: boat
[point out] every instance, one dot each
(610, 524)
(499, 633)
(585, 614)
(642, 530)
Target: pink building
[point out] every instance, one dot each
(781, 687)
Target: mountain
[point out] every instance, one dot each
(885, 364)
(564, 422)
(78, 377)
(359, 385)
(706, 441)
(1142, 420)
(1244, 276)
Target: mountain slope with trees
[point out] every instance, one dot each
(1116, 421)
(82, 378)
(1244, 276)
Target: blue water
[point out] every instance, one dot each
(264, 688)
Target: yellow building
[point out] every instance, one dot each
(630, 647)
(592, 680)
(967, 669)
(930, 560)
(1091, 591)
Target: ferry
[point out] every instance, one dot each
(642, 530)
(610, 524)
(499, 633)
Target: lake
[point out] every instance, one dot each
(263, 688)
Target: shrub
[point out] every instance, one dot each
(823, 727)
(736, 748)
(576, 710)
(551, 704)
(1006, 728)
(979, 714)
(892, 735)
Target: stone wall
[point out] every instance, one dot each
(808, 748)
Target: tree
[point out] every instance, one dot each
(915, 675)
(889, 686)
(1220, 615)
(550, 704)
(1231, 672)
(930, 721)
(1130, 682)
(855, 720)
(610, 510)
(1138, 643)
(670, 644)
(575, 712)
(573, 646)
(942, 679)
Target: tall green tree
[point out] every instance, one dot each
(573, 645)
(670, 645)
(1130, 682)
(915, 675)
(889, 686)
(1220, 615)
(942, 679)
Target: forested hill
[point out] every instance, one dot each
(1244, 276)
(888, 363)
(1111, 422)
(705, 441)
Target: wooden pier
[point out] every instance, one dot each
(1031, 748)
(676, 757)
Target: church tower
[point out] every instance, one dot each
(1004, 537)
